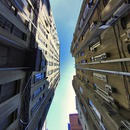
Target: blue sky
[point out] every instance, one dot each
(65, 14)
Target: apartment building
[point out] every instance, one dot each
(29, 63)
(101, 48)
(74, 122)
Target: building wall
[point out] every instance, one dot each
(29, 63)
(82, 114)
(75, 122)
(101, 49)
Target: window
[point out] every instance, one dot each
(35, 107)
(38, 91)
(83, 61)
(82, 54)
(81, 90)
(91, 2)
(123, 23)
(94, 109)
(39, 76)
(8, 90)
(128, 47)
(79, 121)
(7, 25)
(8, 120)
(9, 5)
(50, 72)
(17, 32)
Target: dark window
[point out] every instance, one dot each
(91, 2)
(7, 25)
(17, 32)
(123, 23)
(40, 124)
(8, 90)
(8, 121)
(79, 122)
(39, 76)
(128, 47)
(13, 10)
(6, 3)
(29, 7)
(9, 5)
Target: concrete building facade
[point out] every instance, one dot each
(74, 122)
(101, 48)
(29, 63)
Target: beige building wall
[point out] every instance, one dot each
(101, 49)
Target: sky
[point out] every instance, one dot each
(65, 13)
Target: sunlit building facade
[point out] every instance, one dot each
(101, 48)
(29, 63)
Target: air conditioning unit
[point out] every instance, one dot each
(100, 76)
(100, 57)
(93, 47)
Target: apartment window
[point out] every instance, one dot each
(43, 64)
(13, 10)
(78, 121)
(83, 61)
(29, 7)
(91, 2)
(123, 23)
(50, 72)
(38, 91)
(7, 25)
(94, 109)
(39, 76)
(35, 107)
(46, 23)
(8, 120)
(50, 63)
(128, 48)
(26, 23)
(40, 124)
(9, 5)
(81, 90)
(6, 3)
(50, 99)
(8, 90)
(82, 54)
